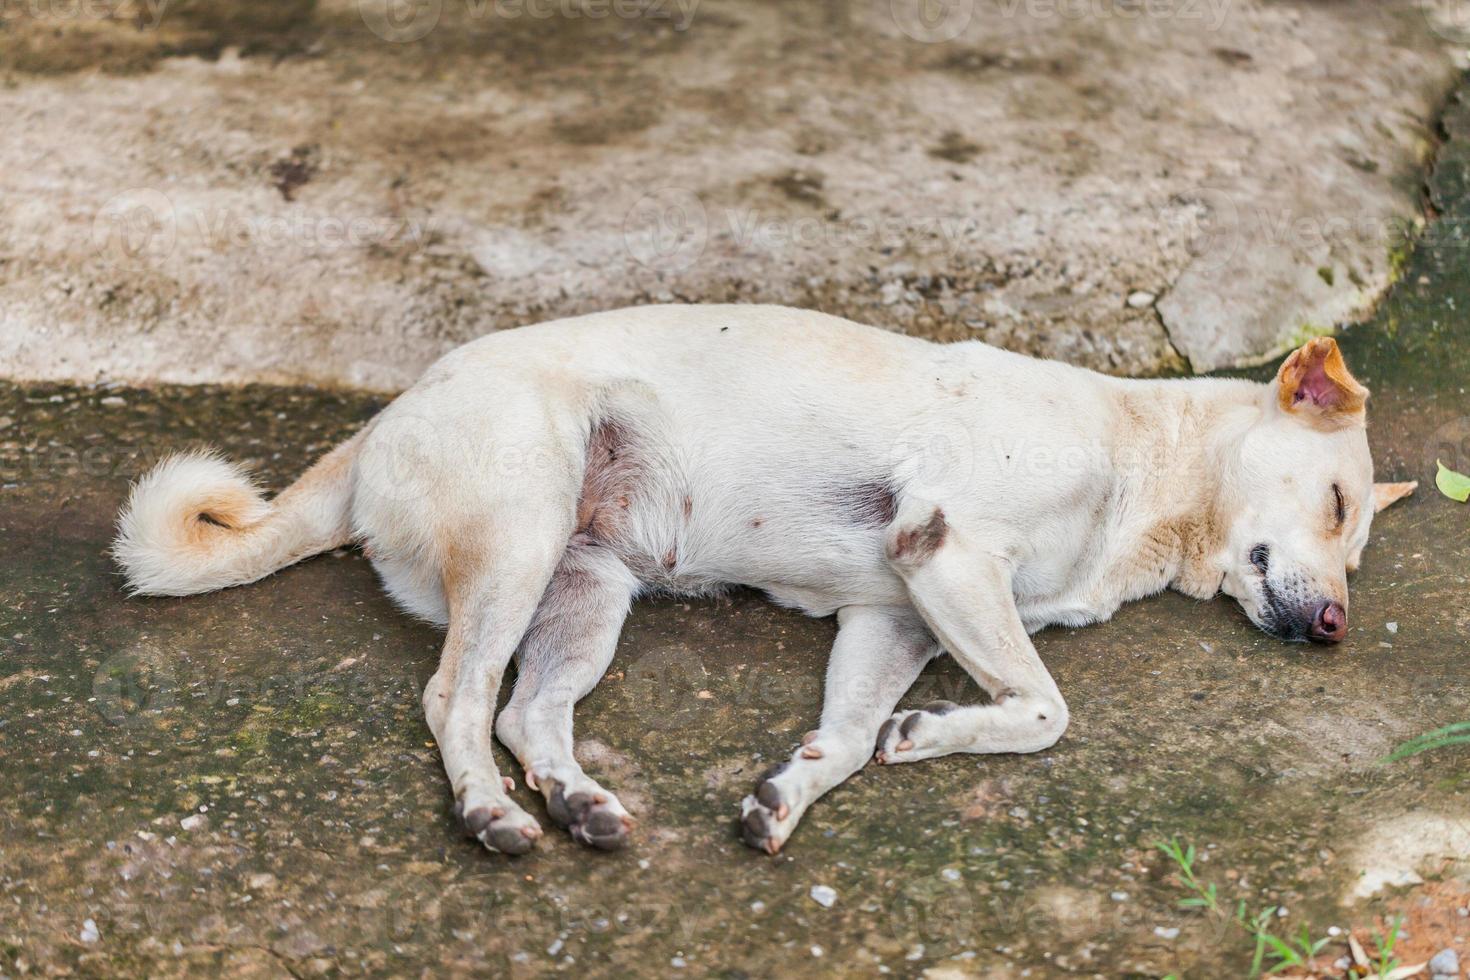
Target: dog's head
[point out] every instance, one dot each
(1299, 498)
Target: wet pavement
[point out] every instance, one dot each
(244, 781)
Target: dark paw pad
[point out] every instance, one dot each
(563, 810)
(507, 839)
(486, 825)
(602, 829)
(883, 734)
(768, 794)
(589, 820)
(755, 830)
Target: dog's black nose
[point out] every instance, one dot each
(1329, 624)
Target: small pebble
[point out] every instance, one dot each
(816, 951)
(89, 933)
(194, 821)
(1140, 300)
(1169, 932)
(950, 874)
(1119, 896)
(1445, 963)
(1391, 627)
(824, 895)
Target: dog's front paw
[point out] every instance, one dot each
(766, 820)
(909, 736)
(499, 825)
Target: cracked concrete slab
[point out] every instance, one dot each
(339, 191)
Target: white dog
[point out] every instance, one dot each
(937, 498)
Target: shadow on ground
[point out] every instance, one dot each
(243, 780)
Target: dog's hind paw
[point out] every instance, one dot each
(899, 739)
(501, 828)
(592, 815)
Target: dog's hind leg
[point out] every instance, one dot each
(878, 655)
(496, 572)
(963, 591)
(563, 656)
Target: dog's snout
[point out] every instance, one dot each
(1329, 623)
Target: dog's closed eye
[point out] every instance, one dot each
(1339, 505)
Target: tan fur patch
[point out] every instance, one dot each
(1388, 493)
(1321, 354)
(221, 511)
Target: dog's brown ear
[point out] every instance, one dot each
(1388, 493)
(1314, 384)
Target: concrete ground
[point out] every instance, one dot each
(243, 781)
(338, 191)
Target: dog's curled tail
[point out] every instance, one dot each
(197, 522)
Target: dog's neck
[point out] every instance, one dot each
(1173, 443)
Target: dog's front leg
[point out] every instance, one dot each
(878, 654)
(963, 592)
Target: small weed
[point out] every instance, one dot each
(1292, 951)
(1456, 734)
(1386, 962)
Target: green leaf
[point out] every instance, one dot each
(1285, 955)
(1454, 485)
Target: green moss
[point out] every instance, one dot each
(1306, 331)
